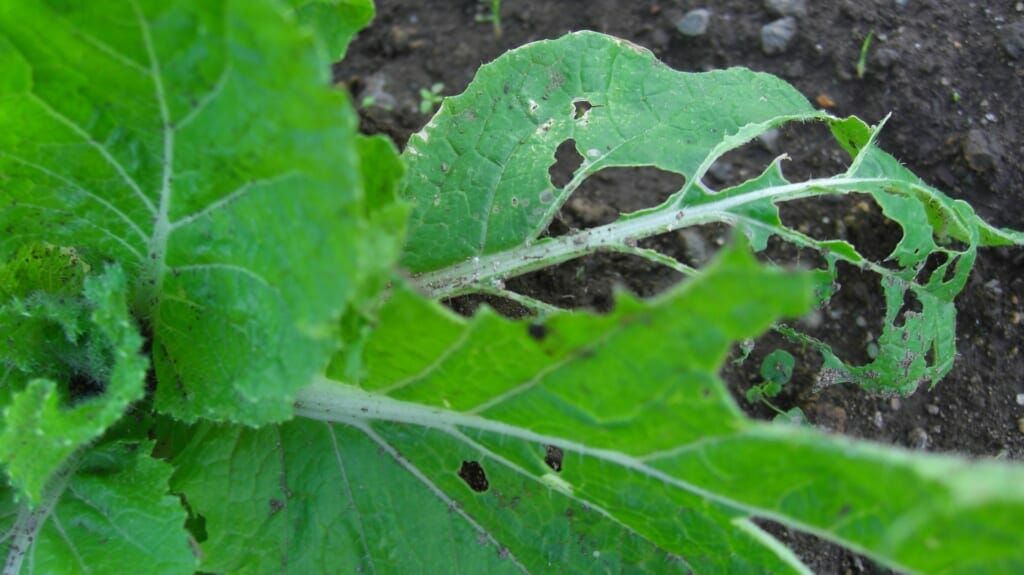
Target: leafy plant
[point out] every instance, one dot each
(777, 370)
(212, 365)
(493, 16)
(431, 98)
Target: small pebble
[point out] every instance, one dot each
(1012, 39)
(886, 57)
(695, 22)
(1020, 425)
(894, 404)
(918, 438)
(877, 420)
(721, 171)
(979, 151)
(776, 36)
(1020, 399)
(769, 139)
(932, 409)
(796, 8)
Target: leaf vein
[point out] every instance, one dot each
(95, 144)
(352, 497)
(81, 189)
(440, 494)
(229, 199)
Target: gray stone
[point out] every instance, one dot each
(886, 57)
(979, 151)
(796, 8)
(769, 140)
(1012, 39)
(918, 438)
(776, 36)
(695, 22)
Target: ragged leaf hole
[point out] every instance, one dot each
(580, 109)
(537, 331)
(611, 192)
(936, 262)
(473, 474)
(854, 218)
(911, 305)
(553, 457)
(567, 161)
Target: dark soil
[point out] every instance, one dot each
(952, 75)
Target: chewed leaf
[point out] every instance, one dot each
(104, 362)
(369, 513)
(478, 173)
(108, 513)
(482, 195)
(206, 151)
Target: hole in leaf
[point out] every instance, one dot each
(786, 254)
(537, 331)
(854, 218)
(934, 261)
(951, 269)
(468, 305)
(589, 282)
(694, 245)
(911, 305)
(604, 196)
(473, 474)
(812, 149)
(741, 164)
(852, 318)
(553, 458)
(567, 161)
(580, 109)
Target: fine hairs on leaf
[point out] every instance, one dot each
(225, 352)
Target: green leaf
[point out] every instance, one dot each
(623, 416)
(335, 22)
(580, 378)
(204, 150)
(101, 353)
(107, 513)
(777, 367)
(309, 497)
